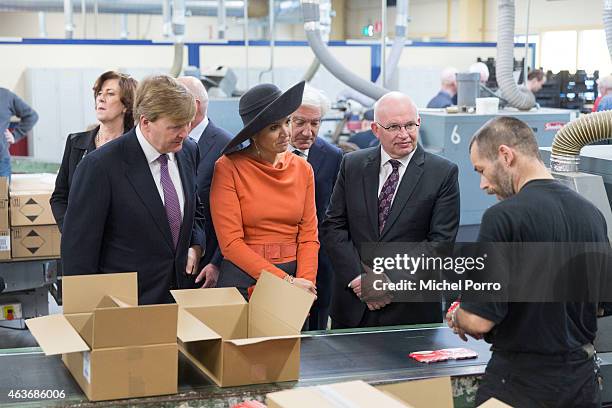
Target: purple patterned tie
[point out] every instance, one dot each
(171, 200)
(386, 195)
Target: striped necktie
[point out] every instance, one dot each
(171, 200)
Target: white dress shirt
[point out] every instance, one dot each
(152, 155)
(303, 153)
(197, 131)
(386, 169)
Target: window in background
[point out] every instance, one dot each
(593, 52)
(558, 50)
(533, 39)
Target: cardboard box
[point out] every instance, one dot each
(4, 188)
(29, 199)
(39, 241)
(4, 214)
(431, 392)
(237, 343)
(349, 394)
(112, 347)
(5, 244)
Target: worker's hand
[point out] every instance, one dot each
(306, 285)
(210, 274)
(379, 303)
(193, 259)
(356, 286)
(10, 139)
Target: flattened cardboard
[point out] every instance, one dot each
(431, 392)
(244, 349)
(4, 214)
(5, 245)
(357, 394)
(38, 241)
(55, 335)
(82, 294)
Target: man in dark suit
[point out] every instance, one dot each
(397, 192)
(211, 140)
(365, 138)
(325, 161)
(448, 90)
(133, 204)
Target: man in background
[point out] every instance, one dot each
(211, 140)
(448, 89)
(325, 161)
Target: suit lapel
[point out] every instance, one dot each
(188, 186)
(406, 188)
(139, 176)
(370, 188)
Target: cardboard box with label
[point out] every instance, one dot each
(238, 343)
(29, 199)
(349, 394)
(112, 347)
(5, 244)
(38, 241)
(4, 214)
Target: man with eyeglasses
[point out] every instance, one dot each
(325, 161)
(395, 192)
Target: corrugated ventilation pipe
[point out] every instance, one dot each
(178, 29)
(520, 98)
(575, 135)
(310, 11)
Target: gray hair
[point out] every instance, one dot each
(314, 98)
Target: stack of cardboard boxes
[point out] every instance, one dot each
(25, 209)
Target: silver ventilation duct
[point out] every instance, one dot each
(520, 98)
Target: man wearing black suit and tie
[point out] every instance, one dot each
(211, 140)
(395, 192)
(133, 204)
(325, 161)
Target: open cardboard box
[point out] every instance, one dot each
(112, 347)
(238, 343)
(356, 394)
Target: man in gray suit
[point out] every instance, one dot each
(395, 192)
(211, 140)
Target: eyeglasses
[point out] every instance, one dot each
(299, 122)
(395, 128)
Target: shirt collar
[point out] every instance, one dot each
(150, 152)
(197, 131)
(291, 148)
(384, 157)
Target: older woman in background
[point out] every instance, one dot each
(262, 197)
(114, 99)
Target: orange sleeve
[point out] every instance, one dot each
(307, 239)
(227, 219)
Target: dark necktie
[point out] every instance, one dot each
(386, 195)
(171, 200)
(298, 153)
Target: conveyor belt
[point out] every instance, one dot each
(379, 356)
(376, 357)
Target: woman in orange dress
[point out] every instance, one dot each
(262, 197)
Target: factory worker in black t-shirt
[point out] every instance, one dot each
(542, 353)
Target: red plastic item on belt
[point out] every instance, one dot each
(443, 355)
(249, 404)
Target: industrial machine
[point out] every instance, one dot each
(449, 134)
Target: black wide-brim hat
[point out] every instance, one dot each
(262, 105)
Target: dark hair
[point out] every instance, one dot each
(505, 130)
(536, 73)
(127, 89)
